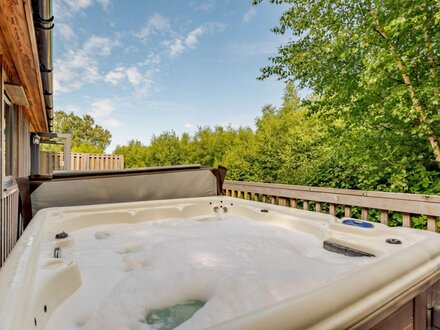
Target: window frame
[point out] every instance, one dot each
(8, 137)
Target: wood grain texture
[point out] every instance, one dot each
(19, 47)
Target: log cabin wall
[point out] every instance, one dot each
(23, 110)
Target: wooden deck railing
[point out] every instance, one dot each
(10, 227)
(412, 210)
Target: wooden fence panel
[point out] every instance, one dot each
(50, 161)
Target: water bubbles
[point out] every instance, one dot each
(102, 234)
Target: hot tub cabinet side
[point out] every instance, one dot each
(417, 309)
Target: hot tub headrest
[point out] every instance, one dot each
(72, 188)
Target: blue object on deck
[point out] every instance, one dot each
(357, 223)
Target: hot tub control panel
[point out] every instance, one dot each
(357, 223)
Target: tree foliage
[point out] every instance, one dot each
(369, 61)
(293, 144)
(86, 136)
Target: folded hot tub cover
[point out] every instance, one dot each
(72, 188)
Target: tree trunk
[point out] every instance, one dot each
(433, 140)
(433, 66)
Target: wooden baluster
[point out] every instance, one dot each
(273, 199)
(384, 217)
(318, 207)
(293, 202)
(305, 205)
(431, 223)
(364, 213)
(256, 197)
(245, 195)
(332, 209)
(264, 198)
(282, 201)
(406, 220)
(347, 211)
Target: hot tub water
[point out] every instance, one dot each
(234, 264)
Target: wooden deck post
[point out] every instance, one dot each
(332, 209)
(306, 205)
(384, 217)
(318, 207)
(432, 223)
(293, 202)
(347, 211)
(364, 213)
(406, 220)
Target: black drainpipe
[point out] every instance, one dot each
(43, 23)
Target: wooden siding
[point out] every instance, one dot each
(10, 225)
(80, 161)
(18, 48)
(330, 199)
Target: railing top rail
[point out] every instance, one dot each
(408, 203)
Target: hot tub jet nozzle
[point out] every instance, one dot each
(57, 252)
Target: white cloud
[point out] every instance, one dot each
(134, 76)
(140, 80)
(155, 24)
(115, 76)
(99, 45)
(152, 60)
(180, 44)
(102, 108)
(78, 4)
(78, 67)
(204, 5)
(65, 31)
(249, 14)
(64, 10)
(189, 125)
(213, 27)
(192, 38)
(176, 47)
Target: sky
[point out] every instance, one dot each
(142, 67)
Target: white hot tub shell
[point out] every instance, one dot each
(254, 264)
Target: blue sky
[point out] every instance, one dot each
(144, 67)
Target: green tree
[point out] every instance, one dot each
(370, 61)
(86, 135)
(135, 154)
(168, 149)
(289, 140)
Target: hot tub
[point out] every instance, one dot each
(237, 264)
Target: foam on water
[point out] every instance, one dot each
(236, 265)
